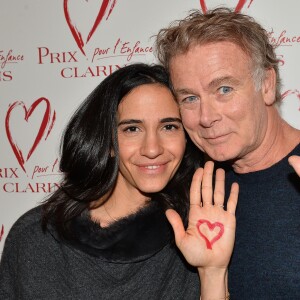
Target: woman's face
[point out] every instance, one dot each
(151, 139)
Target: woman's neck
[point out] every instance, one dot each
(121, 203)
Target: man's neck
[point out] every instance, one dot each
(280, 139)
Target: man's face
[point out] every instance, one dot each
(222, 111)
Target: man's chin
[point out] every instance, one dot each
(220, 156)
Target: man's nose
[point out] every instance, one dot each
(209, 113)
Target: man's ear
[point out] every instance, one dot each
(269, 87)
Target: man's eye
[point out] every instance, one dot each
(189, 99)
(225, 89)
(190, 102)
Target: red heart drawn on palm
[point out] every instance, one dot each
(44, 128)
(72, 20)
(238, 8)
(201, 224)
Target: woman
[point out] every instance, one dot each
(104, 234)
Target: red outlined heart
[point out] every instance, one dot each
(44, 128)
(106, 5)
(291, 92)
(211, 227)
(240, 5)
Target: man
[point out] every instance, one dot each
(225, 76)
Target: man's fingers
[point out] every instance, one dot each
(219, 191)
(177, 225)
(294, 161)
(233, 198)
(195, 190)
(207, 190)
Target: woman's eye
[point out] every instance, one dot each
(131, 129)
(225, 90)
(171, 127)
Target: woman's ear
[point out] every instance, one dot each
(269, 87)
(112, 153)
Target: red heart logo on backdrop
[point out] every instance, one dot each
(1, 233)
(291, 92)
(46, 123)
(211, 227)
(106, 5)
(238, 8)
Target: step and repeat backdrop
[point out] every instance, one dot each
(54, 52)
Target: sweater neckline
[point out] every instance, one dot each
(268, 173)
(131, 239)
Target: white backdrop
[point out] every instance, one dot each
(54, 52)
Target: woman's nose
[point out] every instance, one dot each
(152, 146)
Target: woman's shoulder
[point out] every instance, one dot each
(29, 224)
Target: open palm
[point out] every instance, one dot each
(208, 241)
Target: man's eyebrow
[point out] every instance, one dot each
(129, 121)
(213, 84)
(221, 80)
(183, 92)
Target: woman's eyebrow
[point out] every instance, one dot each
(136, 121)
(129, 121)
(170, 119)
